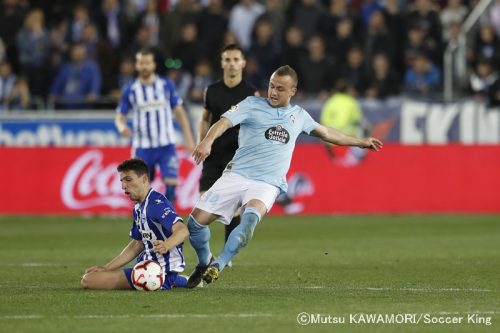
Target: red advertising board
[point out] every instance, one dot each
(399, 179)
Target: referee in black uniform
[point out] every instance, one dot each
(220, 97)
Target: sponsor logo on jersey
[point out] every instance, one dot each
(147, 235)
(277, 134)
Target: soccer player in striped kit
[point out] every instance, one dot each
(157, 234)
(153, 101)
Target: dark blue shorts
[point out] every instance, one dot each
(165, 157)
(169, 283)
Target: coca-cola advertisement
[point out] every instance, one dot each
(322, 180)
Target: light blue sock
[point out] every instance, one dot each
(199, 236)
(239, 237)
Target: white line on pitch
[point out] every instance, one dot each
(160, 315)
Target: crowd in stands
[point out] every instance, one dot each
(74, 54)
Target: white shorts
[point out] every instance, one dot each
(231, 191)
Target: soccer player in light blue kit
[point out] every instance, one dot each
(257, 173)
(153, 101)
(157, 234)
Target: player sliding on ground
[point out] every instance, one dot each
(157, 234)
(257, 173)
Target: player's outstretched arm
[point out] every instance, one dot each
(336, 137)
(180, 115)
(179, 234)
(130, 251)
(204, 124)
(121, 125)
(204, 148)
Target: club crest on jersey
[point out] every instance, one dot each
(233, 108)
(277, 134)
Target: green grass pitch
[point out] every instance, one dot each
(430, 266)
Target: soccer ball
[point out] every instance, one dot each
(148, 275)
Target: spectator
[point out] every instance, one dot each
(305, 14)
(487, 46)
(58, 44)
(423, 77)
(455, 11)
(33, 46)
(367, 9)
(11, 20)
(103, 54)
(2, 50)
(494, 96)
(293, 48)
(342, 40)
(201, 80)
(188, 48)
(212, 24)
(141, 41)
(494, 16)
(263, 49)
(150, 19)
(78, 82)
(377, 39)
(482, 79)
(425, 15)
(318, 70)
(328, 25)
(80, 20)
(126, 74)
(113, 24)
(354, 72)
(275, 14)
(383, 80)
(7, 82)
(418, 43)
(242, 20)
(171, 25)
(19, 98)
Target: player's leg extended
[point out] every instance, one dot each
(199, 237)
(241, 235)
(105, 280)
(169, 168)
(199, 233)
(231, 226)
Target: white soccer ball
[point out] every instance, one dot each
(148, 275)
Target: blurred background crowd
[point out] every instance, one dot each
(79, 54)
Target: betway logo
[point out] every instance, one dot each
(88, 183)
(54, 135)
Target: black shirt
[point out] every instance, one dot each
(218, 99)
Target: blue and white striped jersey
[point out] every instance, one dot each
(151, 107)
(153, 220)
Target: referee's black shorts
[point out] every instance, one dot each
(212, 170)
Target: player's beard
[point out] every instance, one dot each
(146, 74)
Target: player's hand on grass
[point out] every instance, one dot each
(372, 144)
(201, 152)
(159, 247)
(95, 269)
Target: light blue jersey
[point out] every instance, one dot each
(267, 139)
